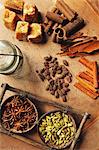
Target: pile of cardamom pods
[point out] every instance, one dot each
(57, 129)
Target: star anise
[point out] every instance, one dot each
(19, 114)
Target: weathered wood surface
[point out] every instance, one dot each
(89, 10)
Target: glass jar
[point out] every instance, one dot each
(11, 59)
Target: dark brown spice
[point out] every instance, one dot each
(57, 76)
(52, 92)
(69, 79)
(64, 98)
(56, 94)
(65, 84)
(69, 74)
(42, 70)
(65, 63)
(55, 87)
(48, 58)
(48, 77)
(41, 76)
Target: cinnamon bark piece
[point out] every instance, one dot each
(86, 76)
(76, 35)
(48, 23)
(67, 53)
(83, 40)
(95, 75)
(14, 5)
(55, 33)
(66, 10)
(55, 26)
(58, 35)
(86, 63)
(86, 90)
(55, 17)
(92, 47)
(80, 46)
(90, 73)
(86, 84)
(61, 36)
(73, 27)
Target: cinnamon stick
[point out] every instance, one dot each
(86, 63)
(92, 47)
(86, 90)
(90, 73)
(55, 33)
(66, 10)
(73, 27)
(86, 84)
(76, 35)
(55, 17)
(79, 46)
(85, 76)
(55, 26)
(50, 23)
(58, 35)
(95, 75)
(86, 41)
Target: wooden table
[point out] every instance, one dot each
(35, 53)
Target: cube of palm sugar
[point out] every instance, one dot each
(14, 5)
(10, 19)
(36, 33)
(22, 30)
(30, 13)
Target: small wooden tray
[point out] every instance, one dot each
(29, 137)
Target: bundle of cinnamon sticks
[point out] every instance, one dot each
(88, 81)
(60, 16)
(79, 45)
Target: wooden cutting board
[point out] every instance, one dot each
(35, 53)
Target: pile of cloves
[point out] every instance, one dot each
(58, 77)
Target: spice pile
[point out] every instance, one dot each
(57, 129)
(79, 45)
(58, 77)
(88, 81)
(18, 115)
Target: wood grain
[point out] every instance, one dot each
(94, 4)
